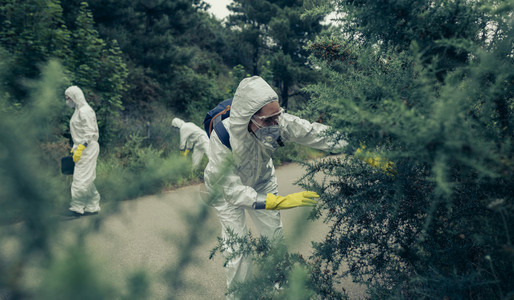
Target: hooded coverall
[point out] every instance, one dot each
(192, 138)
(84, 130)
(251, 175)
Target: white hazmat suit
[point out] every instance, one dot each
(192, 138)
(251, 175)
(84, 131)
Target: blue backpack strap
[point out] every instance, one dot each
(222, 132)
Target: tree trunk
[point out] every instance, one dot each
(284, 93)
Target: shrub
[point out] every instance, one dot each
(441, 226)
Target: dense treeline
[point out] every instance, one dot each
(145, 56)
(421, 205)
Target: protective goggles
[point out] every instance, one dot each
(268, 120)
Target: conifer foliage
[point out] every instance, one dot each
(273, 34)
(427, 86)
(35, 31)
(31, 32)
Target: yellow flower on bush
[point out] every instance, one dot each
(376, 161)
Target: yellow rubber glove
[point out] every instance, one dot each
(78, 153)
(376, 161)
(184, 153)
(292, 200)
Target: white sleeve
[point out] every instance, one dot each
(88, 120)
(183, 138)
(187, 136)
(294, 129)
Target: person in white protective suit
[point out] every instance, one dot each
(257, 126)
(192, 138)
(85, 199)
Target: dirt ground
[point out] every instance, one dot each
(149, 234)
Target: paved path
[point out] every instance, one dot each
(149, 234)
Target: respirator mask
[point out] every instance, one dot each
(269, 132)
(70, 103)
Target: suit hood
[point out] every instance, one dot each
(76, 95)
(176, 122)
(251, 95)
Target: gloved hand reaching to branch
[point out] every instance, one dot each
(292, 200)
(78, 152)
(184, 153)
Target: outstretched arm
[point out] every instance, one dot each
(313, 135)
